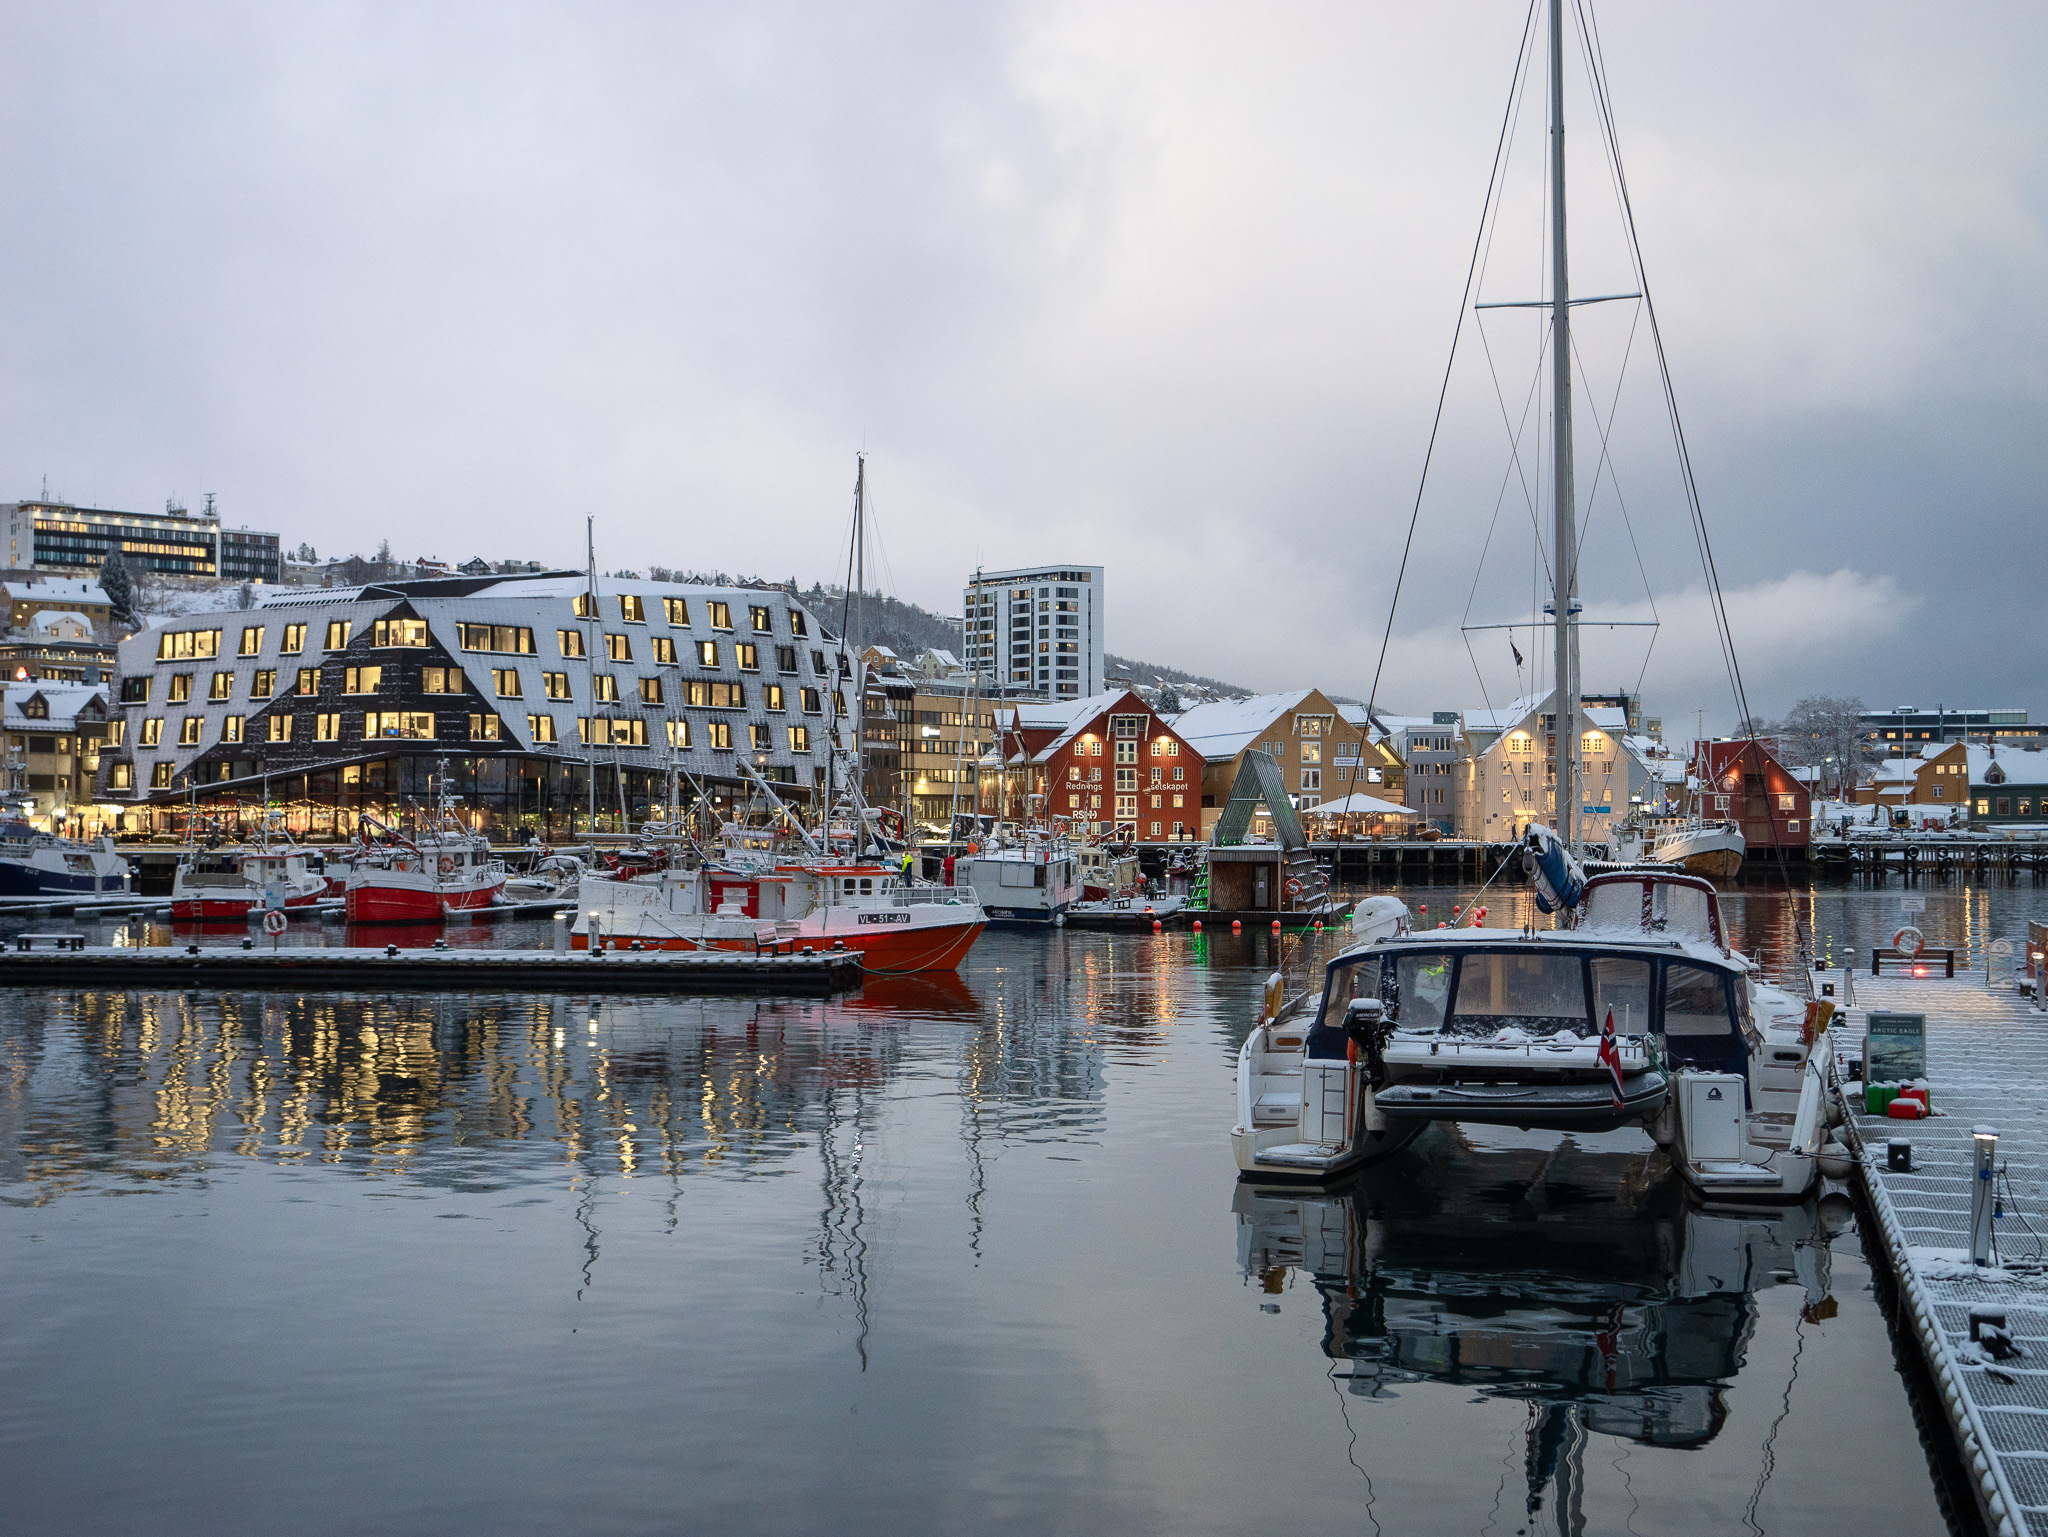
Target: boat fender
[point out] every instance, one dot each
(1835, 1160)
(1909, 943)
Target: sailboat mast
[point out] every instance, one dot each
(590, 663)
(1564, 566)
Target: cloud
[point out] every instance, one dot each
(1795, 635)
(1161, 288)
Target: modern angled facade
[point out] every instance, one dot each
(342, 701)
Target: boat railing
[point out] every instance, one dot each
(920, 896)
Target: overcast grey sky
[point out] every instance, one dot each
(1164, 288)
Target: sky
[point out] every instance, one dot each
(1168, 289)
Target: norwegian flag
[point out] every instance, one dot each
(1610, 1053)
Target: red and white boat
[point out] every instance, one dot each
(1108, 875)
(228, 884)
(397, 879)
(788, 907)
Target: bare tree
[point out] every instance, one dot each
(1826, 732)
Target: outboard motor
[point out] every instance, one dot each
(1558, 878)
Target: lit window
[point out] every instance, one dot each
(440, 680)
(811, 702)
(280, 728)
(650, 691)
(405, 725)
(679, 733)
(605, 688)
(514, 639)
(505, 681)
(223, 686)
(231, 728)
(160, 776)
(762, 736)
(678, 611)
(263, 683)
(399, 632)
(630, 610)
(355, 680)
(338, 633)
(747, 656)
(707, 653)
(152, 731)
(294, 640)
(799, 738)
(309, 679)
(797, 625)
(720, 733)
(252, 640)
(181, 687)
(188, 730)
(327, 727)
(771, 696)
(555, 684)
(541, 727)
(483, 728)
(570, 641)
(664, 650)
(721, 615)
(618, 648)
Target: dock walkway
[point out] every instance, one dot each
(696, 973)
(1987, 1060)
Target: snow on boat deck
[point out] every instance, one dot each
(1987, 1060)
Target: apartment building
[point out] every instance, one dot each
(530, 690)
(53, 734)
(1507, 778)
(1035, 630)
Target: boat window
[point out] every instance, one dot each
(1695, 1001)
(1422, 987)
(1621, 983)
(867, 886)
(1541, 993)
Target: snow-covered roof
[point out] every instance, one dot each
(64, 699)
(2019, 768)
(50, 620)
(1511, 714)
(55, 589)
(1223, 728)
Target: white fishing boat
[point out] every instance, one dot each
(1022, 879)
(1711, 849)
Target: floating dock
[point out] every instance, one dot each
(338, 969)
(1987, 1062)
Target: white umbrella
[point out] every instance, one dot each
(1358, 803)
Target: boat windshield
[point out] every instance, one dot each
(1533, 992)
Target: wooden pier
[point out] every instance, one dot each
(349, 969)
(1935, 856)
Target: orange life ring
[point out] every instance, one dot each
(1911, 951)
(447, 864)
(1294, 888)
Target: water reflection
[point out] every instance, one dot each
(1578, 1283)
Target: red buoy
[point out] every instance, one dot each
(1157, 925)
(1236, 926)
(1198, 925)
(1276, 925)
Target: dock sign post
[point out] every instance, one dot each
(1895, 1049)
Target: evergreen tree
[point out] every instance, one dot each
(119, 587)
(1169, 700)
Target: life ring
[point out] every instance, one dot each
(1294, 888)
(447, 864)
(1909, 943)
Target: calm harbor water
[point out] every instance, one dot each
(961, 1254)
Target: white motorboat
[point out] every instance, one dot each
(1637, 1015)
(1712, 849)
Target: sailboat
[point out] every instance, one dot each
(1633, 1012)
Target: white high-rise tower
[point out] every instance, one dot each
(1036, 630)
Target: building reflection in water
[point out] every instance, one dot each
(1580, 1284)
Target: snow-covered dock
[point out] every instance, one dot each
(714, 974)
(1987, 1062)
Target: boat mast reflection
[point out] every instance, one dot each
(1582, 1284)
